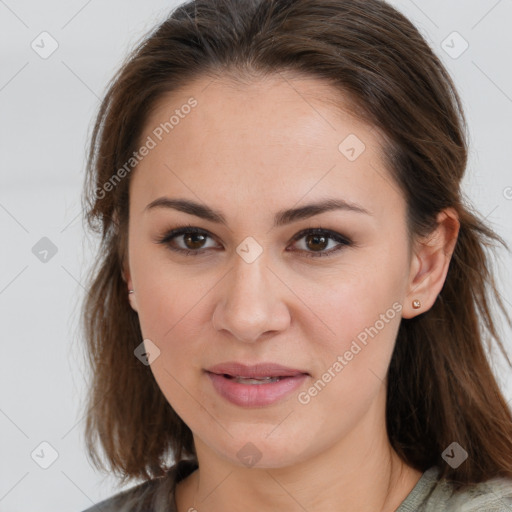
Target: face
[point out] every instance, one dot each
(261, 287)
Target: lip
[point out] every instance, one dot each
(254, 395)
(265, 369)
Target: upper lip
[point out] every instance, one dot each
(236, 369)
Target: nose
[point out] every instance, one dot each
(251, 304)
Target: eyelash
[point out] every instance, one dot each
(189, 229)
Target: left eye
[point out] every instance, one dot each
(319, 238)
(194, 239)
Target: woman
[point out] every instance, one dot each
(287, 295)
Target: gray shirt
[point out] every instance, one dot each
(430, 494)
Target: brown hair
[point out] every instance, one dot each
(441, 387)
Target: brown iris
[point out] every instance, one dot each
(315, 238)
(196, 240)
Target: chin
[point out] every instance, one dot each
(256, 449)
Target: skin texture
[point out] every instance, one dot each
(250, 150)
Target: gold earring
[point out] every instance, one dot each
(416, 304)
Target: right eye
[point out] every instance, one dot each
(188, 235)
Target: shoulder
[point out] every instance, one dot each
(494, 495)
(156, 495)
(432, 494)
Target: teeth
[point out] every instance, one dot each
(262, 380)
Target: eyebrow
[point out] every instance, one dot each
(281, 218)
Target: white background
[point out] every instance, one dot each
(47, 107)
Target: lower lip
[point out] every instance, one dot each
(255, 395)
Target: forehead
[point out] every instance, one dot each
(281, 109)
(278, 138)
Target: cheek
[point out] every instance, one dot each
(169, 313)
(166, 293)
(351, 365)
(363, 312)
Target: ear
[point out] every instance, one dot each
(430, 262)
(128, 280)
(125, 270)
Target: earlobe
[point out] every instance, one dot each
(430, 265)
(129, 291)
(132, 299)
(131, 294)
